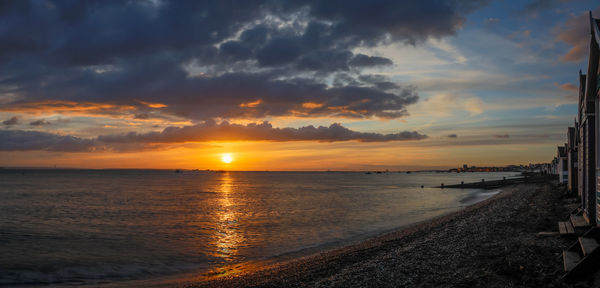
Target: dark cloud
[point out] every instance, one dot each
(39, 122)
(326, 61)
(505, 136)
(12, 121)
(227, 96)
(142, 116)
(242, 52)
(19, 140)
(211, 131)
(379, 82)
(410, 22)
(452, 136)
(362, 60)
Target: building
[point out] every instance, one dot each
(572, 159)
(562, 166)
(580, 143)
(554, 166)
(581, 258)
(589, 126)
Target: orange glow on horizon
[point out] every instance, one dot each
(286, 156)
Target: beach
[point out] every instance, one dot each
(431, 143)
(494, 243)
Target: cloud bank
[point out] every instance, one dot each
(207, 59)
(19, 140)
(12, 121)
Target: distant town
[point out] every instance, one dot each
(509, 168)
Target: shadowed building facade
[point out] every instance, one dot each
(572, 159)
(580, 138)
(562, 164)
(581, 259)
(592, 93)
(589, 196)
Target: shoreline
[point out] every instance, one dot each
(325, 268)
(236, 270)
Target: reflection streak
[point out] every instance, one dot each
(228, 236)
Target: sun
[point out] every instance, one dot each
(226, 158)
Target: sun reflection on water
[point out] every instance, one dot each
(228, 236)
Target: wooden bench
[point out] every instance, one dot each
(578, 221)
(565, 228)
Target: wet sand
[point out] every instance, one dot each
(493, 243)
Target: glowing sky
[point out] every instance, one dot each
(288, 85)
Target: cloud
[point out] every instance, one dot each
(12, 121)
(362, 60)
(223, 96)
(448, 51)
(452, 136)
(202, 59)
(141, 116)
(443, 104)
(474, 105)
(566, 86)
(569, 88)
(20, 140)
(504, 136)
(576, 33)
(67, 107)
(211, 131)
(39, 122)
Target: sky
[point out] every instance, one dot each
(288, 85)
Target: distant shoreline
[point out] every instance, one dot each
(9, 169)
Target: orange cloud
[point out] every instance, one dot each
(566, 86)
(575, 32)
(154, 105)
(59, 106)
(311, 105)
(251, 104)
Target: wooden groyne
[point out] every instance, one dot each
(498, 183)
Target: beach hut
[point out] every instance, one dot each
(582, 258)
(587, 132)
(572, 159)
(591, 93)
(562, 164)
(580, 143)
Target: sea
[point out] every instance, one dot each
(95, 227)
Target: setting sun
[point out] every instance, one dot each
(226, 158)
